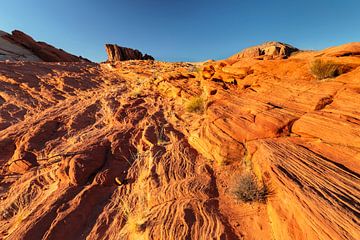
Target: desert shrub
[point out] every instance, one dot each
(195, 104)
(246, 189)
(325, 69)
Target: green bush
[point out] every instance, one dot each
(246, 189)
(195, 104)
(325, 69)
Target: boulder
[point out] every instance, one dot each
(20, 166)
(22, 161)
(83, 165)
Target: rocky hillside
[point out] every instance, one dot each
(20, 47)
(155, 150)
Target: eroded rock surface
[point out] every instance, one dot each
(109, 151)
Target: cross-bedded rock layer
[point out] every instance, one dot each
(108, 151)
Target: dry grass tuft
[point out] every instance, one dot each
(325, 69)
(246, 189)
(195, 104)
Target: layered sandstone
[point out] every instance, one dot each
(108, 151)
(19, 46)
(14, 52)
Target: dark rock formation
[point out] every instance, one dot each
(42, 50)
(117, 53)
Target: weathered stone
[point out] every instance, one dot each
(273, 49)
(19, 46)
(117, 53)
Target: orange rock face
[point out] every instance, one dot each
(109, 151)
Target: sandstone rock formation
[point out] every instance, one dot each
(14, 52)
(19, 46)
(349, 49)
(117, 53)
(108, 151)
(267, 50)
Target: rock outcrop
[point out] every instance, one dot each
(268, 50)
(117, 53)
(20, 47)
(110, 151)
(9, 50)
(349, 49)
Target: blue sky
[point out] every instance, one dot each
(187, 30)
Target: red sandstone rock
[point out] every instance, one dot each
(20, 166)
(268, 49)
(42, 50)
(117, 53)
(82, 127)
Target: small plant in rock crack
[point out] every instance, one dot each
(196, 105)
(246, 189)
(325, 69)
(135, 219)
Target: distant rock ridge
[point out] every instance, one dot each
(118, 53)
(267, 50)
(19, 46)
